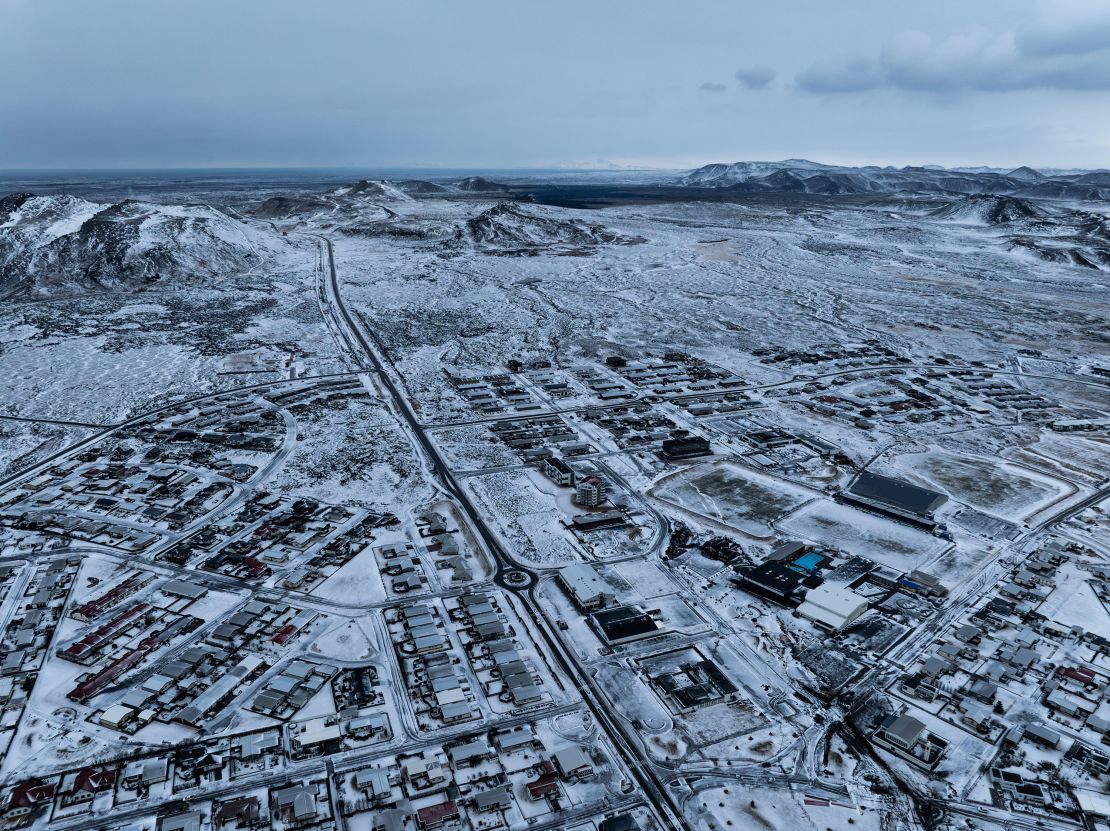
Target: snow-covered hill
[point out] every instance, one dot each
(988, 209)
(507, 229)
(50, 243)
(479, 184)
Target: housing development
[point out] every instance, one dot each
(555, 503)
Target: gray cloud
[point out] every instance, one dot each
(852, 76)
(755, 77)
(1061, 53)
(209, 83)
(1067, 27)
(710, 86)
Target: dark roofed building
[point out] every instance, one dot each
(774, 581)
(624, 624)
(689, 447)
(895, 498)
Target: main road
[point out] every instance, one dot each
(511, 574)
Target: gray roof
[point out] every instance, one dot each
(188, 821)
(896, 493)
(905, 730)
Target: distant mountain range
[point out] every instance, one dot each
(804, 176)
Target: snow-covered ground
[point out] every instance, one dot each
(919, 340)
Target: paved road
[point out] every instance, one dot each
(667, 812)
(59, 421)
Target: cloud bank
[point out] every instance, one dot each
(1063, 48)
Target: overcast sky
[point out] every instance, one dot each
(502, 83)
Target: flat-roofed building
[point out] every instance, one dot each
(587, 588)
(832, 607)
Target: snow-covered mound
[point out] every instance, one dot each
(1071, 191)
(376, 190)
(479, 184)
(1062, 252)
(61, 243)
(288, 207)
(988, 209)
(507, 229)
(418, 187)
(343, 201)
(28, 221)
(1026, 174)
(724, 175)
(1077, 238)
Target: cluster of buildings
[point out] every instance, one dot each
(636, 426)
(504, 668)
(798, 576)
(688, 680)
(494, 779)
(312, 540)
(36, 613)
(676, 374)
(196, 680)
(469, 648)
(591, 491)
(536, 438)
(871, 352)
(494, 393)
(1015, 677)
(440, 688)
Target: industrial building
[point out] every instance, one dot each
(586, 587)
(832, 607)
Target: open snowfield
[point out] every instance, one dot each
(1075, 603)
(23, 444)
(1002, 489)
(766, 809)
(357, 582)
(857, 532)
(101, 358)
(527, 518)
(735, 496)
(352, 450)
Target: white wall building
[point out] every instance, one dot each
(832, 607)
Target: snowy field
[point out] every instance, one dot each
(527, 518)
(351, 450)
(735, 496)
(886, 542)
(1002, 489)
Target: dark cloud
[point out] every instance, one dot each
(710, 86)
(755, 77)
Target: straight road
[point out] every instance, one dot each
(667, 812)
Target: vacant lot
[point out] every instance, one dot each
(884, 541)
(996, 487)
(741, 498)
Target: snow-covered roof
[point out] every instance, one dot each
(832, 606)
(1092, 802)
(584, 583)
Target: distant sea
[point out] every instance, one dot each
(230, 186)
